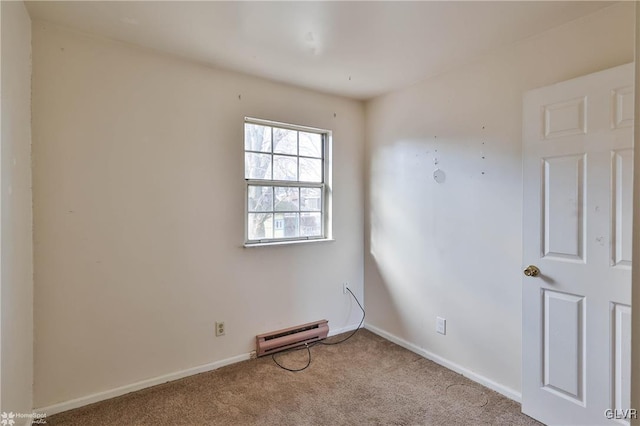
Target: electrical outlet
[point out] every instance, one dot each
(345, 286)
(219, 328)
(441, 325)
(253, 355)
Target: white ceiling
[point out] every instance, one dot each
(356, 49)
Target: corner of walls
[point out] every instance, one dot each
(454, 249)
(16, 248)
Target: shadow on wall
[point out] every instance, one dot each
(442, 247)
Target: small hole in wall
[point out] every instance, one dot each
(239, 97)
(335, 115)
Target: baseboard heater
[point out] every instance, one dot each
(280, 340)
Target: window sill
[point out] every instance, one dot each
(286, 243)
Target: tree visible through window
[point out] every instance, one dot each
(285, 175)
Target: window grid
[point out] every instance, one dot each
(303, 211)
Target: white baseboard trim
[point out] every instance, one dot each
(342, 330)
(122, 390)
(501, 389)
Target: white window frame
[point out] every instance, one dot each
(325, 186)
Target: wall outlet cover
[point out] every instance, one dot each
(220, 329)
(441, 325)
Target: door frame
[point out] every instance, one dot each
(635, 272)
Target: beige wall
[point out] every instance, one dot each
(138, 216)
(16, 294)
(138, 197)
(455, 249)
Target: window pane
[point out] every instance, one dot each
(257, 166)
(260, 226)
(310, 170)
(285, 168)
(285, 141)
(285, 225)
(311, 199)
(310, 225)
(260, 199)
(257, 138)
(311, 144)
(286, 199)
(276, 157)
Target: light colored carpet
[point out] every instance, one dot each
(365, 381)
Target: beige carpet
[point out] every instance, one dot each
(364, 381)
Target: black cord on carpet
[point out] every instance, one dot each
(308, 347)
(293, 370)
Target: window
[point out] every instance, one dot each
(285, 170)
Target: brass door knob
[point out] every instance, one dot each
(532, 271)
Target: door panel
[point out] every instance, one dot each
(621, 179)
(565, 118)
(577, 161)
(562, 203)
(563, 345)
(621, 356)
(622, 107)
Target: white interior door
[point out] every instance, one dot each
(576, 319)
